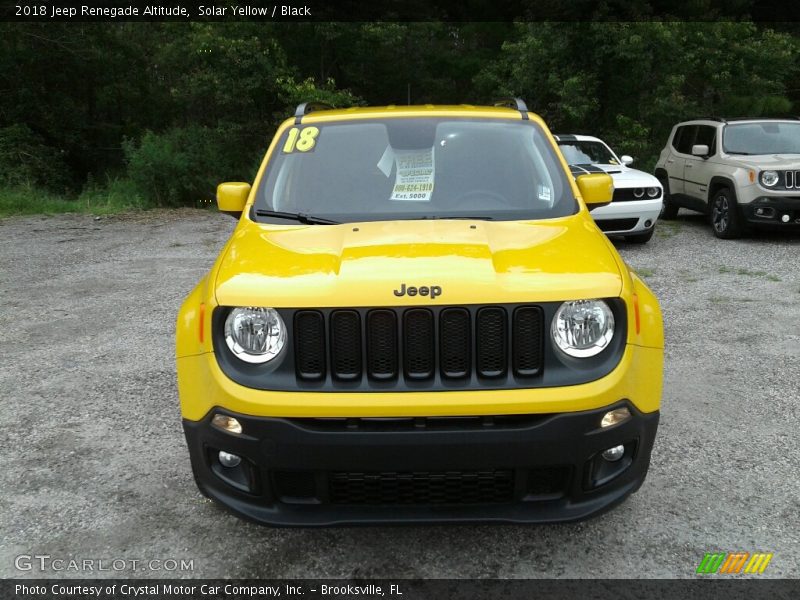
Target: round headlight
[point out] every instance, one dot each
(255, 335)
(638, 192)
(583, 328)
(769, 178)
(652, 192)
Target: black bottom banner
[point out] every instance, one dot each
(398, 589)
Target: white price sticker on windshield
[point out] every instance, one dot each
(415, 174)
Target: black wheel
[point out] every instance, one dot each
(669, 210)
(726, 222)
(640, 238)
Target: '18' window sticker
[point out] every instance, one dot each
(301, 140)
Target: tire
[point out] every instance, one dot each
(726, 222)
(669, 210)
(640, 238)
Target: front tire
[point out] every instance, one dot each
(669, 210)
(726, 222)
(640, 238)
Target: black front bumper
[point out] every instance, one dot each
(773, 211)
(519, 469)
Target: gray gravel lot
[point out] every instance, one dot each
(94, 465)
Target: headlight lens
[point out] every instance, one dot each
(652, 192)
(769, 178)
(255, 335)
(638, 192)
(583, 328)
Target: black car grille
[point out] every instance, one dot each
(446, 487)
(419, 344)
(387, 488)
(616, 224)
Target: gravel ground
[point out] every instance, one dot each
(94, 464)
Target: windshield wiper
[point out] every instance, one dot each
(742, 153)
(466, 217)
(299, 217)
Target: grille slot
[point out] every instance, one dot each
(382, 344)
(455, 342)
(528, 351)
(418, 332)
(310, 347)
(346, 355)
(491, 342)
(444, 487)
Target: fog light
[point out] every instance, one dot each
(611, 455)
(226, 459)
(616, 416)
(226, 423)
(785, 218)
(648, 223)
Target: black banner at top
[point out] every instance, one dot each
(393, 10)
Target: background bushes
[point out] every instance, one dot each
(164, 111)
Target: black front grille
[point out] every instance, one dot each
(616, 224)
(419, 345)
(387, 488)
(445, 487)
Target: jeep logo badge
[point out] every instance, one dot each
(431, 291)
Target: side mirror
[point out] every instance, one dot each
(626, 159)
(232, 196)
(597, 189)
(700, 150)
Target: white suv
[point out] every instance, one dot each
(637, 195)
(740, 172)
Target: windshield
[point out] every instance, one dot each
(587, 153)
(416, 169)
(767, 137)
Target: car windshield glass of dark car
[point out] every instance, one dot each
(766, 137)
(402, 168)
(587, 153)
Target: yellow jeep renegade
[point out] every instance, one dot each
(417, 320)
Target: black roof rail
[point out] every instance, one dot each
(309, 107)
(516, 103)
(729, 119)
(787, 117)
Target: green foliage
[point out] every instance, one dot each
(26, 160)
(182, 165)
(116, 196)
(631, 82)
(183, 106)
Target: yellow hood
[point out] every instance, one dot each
(362, 264)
